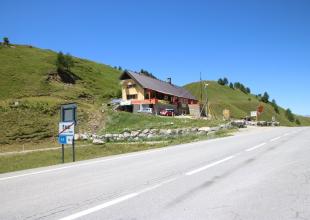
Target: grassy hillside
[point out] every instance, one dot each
(29, 102)
(239, 103)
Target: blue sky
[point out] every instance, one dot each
(264, 44)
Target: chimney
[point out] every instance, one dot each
(169, 80)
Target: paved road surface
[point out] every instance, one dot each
(258, 174)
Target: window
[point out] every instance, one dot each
(131, 96)
(146, 95)
(129, 85)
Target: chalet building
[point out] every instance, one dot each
(141, 92)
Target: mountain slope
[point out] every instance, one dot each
(240, 104)
(29, 100)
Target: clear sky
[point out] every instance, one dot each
(264, 44)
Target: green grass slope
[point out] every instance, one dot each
(29, 102)
(239, 103)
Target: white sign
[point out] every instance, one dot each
(66, 128)
(254, 114)
(69, 139)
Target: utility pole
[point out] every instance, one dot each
(200, 89)
(207, 104)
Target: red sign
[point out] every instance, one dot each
(260, 109)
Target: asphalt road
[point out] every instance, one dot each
(257, 174)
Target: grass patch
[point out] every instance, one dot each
(122, 121)
(24, 80)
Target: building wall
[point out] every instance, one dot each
(132, 91)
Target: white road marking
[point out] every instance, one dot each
(255, 147)
(274, 139)
(109, 159)
(114, 201)
(99, 207)
(209, 165)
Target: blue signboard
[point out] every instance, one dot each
(65, 139)
(62, 139)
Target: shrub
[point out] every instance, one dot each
(64, 62)
(220, 81)
(275, 106)
(265, 97)
(289, 115)
(6, 41)
(225, 81)
(231, 85)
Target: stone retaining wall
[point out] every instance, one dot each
(148, 134)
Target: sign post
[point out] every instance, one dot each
(68, 120)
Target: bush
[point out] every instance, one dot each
(6, 41)
(289, 115)
(231, 86)
(64, 62)
(265, 97)
(297, 121)
(222, 82)
(275, 106)
(225, 81)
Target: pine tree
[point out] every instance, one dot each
(225, 81)
(289, 115)
(275, 106)
(265, 97)
(6, 41)
(231, 85)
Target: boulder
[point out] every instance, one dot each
(154, 131)
(149, 136)
(135, 133)
(275, 123)
(126, 134)
(142, 135)
(84, 137)
(162, 131)
(145, 131)
(205, 129)
(108, 135)
(262, 123)
(238, 123)
(98, 141)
